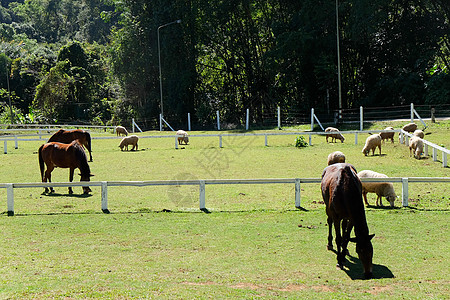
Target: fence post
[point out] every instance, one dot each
(160, 122)
(361, 119)
(297, 193)
(405, 192)
(176, 142)
(105, 197)
(218, 120)
(310, 143)
(412, 112)
(265, 139)
(434, 154)
(189, 121)
(220, 141)
(279, 117)
(202, 195)
(247, 119)
(356, 138)
(16, 142)
(10, 198)
(444, 159)
(425, 150)
(5, 147)
(312, 119)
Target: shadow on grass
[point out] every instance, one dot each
(354, 270)
(67, 195)
(383, 207)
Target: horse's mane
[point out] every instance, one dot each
(81, 157)
(354, 204)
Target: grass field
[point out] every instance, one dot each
(253, 244)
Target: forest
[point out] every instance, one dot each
(106, 61)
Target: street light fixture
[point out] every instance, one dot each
(159, 59)
(338, 61)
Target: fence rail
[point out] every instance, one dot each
(403, 134)
(202, 186)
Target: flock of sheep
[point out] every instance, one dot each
(183, 137)
(381, 189)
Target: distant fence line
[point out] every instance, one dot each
(202, 186)
(277, 117)
(403, 136)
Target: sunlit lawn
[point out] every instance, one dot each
(253, 243)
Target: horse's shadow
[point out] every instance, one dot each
(355, 270)
(67, 195)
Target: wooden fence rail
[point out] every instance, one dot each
(202, 186)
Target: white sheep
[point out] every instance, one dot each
(120, 130)
(387, 135)
(372, 142)
(183, 138)
(419, 133)
(416, 146)
(382, 189)
(129, 140)
(336, 157)
(410, 127)
(334, 134)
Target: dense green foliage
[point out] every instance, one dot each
(97, 60)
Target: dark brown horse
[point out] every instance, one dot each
(341, 192)
(67, 136)
(60, 155)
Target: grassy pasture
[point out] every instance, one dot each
(254, 243)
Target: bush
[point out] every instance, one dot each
(300, 142)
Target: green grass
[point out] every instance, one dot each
(253, 244)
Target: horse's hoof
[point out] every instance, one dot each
(330, 247)
(340, 266)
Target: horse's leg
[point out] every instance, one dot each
(71, 179)
(346, 230)
(337, 229)
(44, 179)
(48, 176)
(330, 233)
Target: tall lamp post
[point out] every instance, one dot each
(159, 59)
(338, 60)
(9, 93)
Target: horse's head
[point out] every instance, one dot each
(86, 177)
(365, 253)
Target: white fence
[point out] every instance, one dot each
(403, 134)
(202, 186)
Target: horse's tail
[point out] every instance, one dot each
(41, 162)
(88, 141)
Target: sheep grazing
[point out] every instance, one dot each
(410, 127)
(334, 134)
(183, 138)
(387, 135)
(120, 130)
(416, 146)
(382, 189)
(336, 157)
(372, 142)
(129, 140)
(419, 133)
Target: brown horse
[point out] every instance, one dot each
(60, 155)
(67, 136)
(341, 192)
